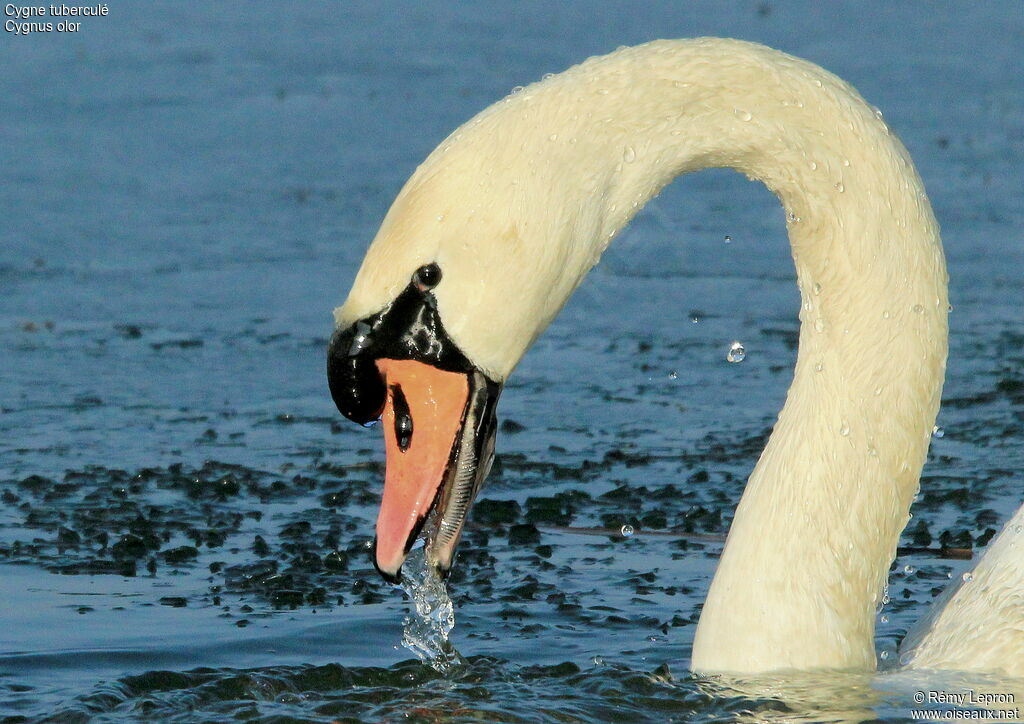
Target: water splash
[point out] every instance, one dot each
(425, 631)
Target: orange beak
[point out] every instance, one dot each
(424, 413)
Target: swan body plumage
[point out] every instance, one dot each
(518, 204)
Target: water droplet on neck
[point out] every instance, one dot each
(840, 187)
(885, 314)
(844, 429)
(819, 324)
(846, 162)
(742, 114)
(629, 155)
(737, 353)
(792, 218)
(938, 432)
(817, 288)
(819, 367)
(968, 577)
(814, 166)
(553, 137)
(918, 309)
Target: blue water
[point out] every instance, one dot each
(186, 192)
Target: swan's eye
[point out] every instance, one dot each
(403, 420)
(427, 277)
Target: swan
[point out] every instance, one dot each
(493, 232)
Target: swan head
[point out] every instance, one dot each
(401, 366)
(468, 267)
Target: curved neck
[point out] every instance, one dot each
(808, 553)
(518, 204)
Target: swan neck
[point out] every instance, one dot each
(803, 571)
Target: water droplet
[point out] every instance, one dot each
(872, 450)
(547, 75)
(840, 187)
(602, 91)
(909, 569)
(629, 155)
(884, 655)
(846, 162)
(627, 530)
(728, 239)
(792, 218)
(938, 432)
(885, 599)
(817, 288)
(817, 82)
(949, 308)
(819, 367)
(885, 314)
(883, 618)
(878, 391)
(844, 429)
(814, 166)
(1018, 528)
(673, 376)
(968, 577)
(742, 115)
(878, 114)
(737, 353)
(819, 324)
(918, 309)
(517, 89)
(553, 137)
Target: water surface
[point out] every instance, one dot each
(187, 191)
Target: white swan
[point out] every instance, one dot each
(494, 231)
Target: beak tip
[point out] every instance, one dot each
(391, 576)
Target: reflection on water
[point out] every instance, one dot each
(425, 630)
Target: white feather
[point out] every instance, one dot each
(519, 203)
